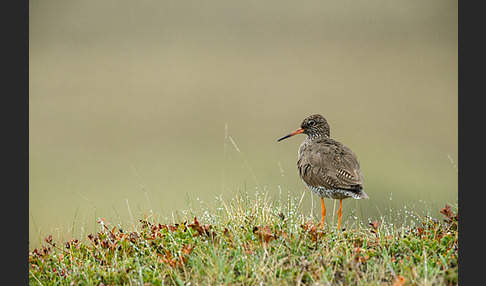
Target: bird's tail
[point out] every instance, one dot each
(363, 195)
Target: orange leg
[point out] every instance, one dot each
(323, 210)
(340, 212)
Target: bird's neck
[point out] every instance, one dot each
(316, 136)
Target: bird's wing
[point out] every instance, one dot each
(331, 165)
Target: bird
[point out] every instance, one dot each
(328, 168)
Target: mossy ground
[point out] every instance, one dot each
(249, 241)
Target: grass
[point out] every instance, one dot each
(255, 241)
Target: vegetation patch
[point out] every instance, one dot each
(253, 241)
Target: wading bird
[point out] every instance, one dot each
(327, 167)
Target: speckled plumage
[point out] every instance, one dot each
(327, 167)
(330, 169)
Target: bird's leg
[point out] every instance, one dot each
(340, 212)
(323, 211)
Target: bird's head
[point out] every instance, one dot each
(313, 126)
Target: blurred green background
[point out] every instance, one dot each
(136, 101)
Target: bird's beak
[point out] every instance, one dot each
(298, 131)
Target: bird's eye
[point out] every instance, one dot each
(311, 123)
